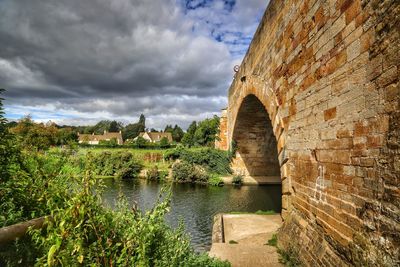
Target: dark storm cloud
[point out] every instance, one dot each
(122, 57)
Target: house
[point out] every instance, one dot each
(154, 137)
(94, 139)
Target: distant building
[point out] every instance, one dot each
(155, 136)
(94, 139)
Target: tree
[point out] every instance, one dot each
(35, 135)
(168, 129)
(113, 127)
(153, 130)
(8, 150)
(206, 131)
(133, 130)
(142, 120)
(164, 143)
(66, 136)
(141, 142)
(177, 133)
(188, 137)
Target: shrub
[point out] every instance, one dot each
(164, 143)
(215, 180)
(154, 174)
(121, 164)
(273, 241)
(237, 179)
(183, 171)
(214, 160)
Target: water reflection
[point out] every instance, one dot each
(196, 205)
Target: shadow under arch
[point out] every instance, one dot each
(256, 155)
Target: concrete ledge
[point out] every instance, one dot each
(218, 229)
(245, 237)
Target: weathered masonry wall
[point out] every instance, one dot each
(327, 74)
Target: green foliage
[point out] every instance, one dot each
(141, 142)
(188, 137)
(102, 126)
(237, 179)
(204, 133)
(176, 132)
(258, 212)
(233, 242)
(83, 232)
(154, 174)
(273, 241)
(265, 212)
(183, 171)
(109, 143)
(232, 149)
(31, 182)
(41, 136)
(214, 160)
(215, 180)
(87, 233)
(131, 131)
(164, 143)
(121, 164)
(114, 127)
(289, 257)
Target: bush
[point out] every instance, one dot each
(183, 171)
(214, 160)
(237, 179)
(121, 164)
(154, 174)
(215, 180)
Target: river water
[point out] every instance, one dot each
(195, 204)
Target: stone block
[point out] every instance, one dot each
(353, 50)
(329, 114)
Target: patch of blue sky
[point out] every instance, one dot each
(15, 112)
(195, 4)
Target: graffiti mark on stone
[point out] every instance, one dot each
(319, 193)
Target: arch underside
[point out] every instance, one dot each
(256, 154)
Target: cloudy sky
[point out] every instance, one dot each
(79, 61)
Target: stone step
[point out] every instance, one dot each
(246, 255)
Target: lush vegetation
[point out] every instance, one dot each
(213, 160)
(201, 165)
(82, 232)
(121, 164)
(203, 133)
(42, 136)
(154, 174)
(237, 179)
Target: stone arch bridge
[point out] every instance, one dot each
(316, 103)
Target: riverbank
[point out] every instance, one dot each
(242, 239)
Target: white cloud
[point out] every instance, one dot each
(116, 59)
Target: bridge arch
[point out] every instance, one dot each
(256, 126)
(256, 154)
